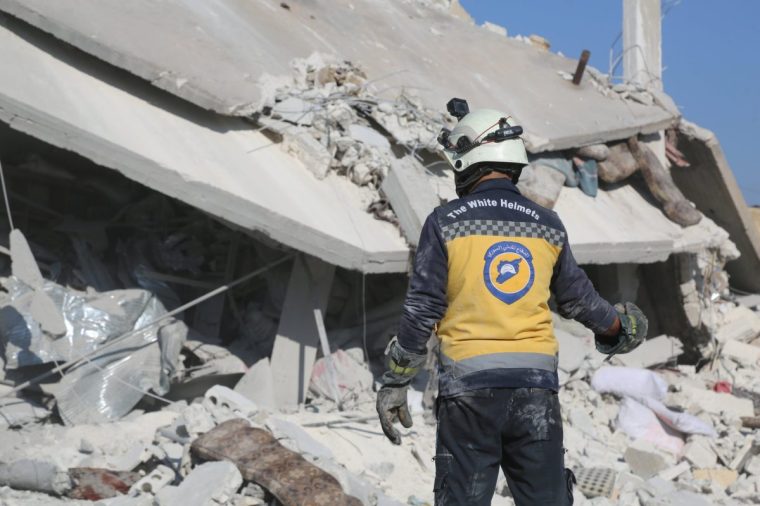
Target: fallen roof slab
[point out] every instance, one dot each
(621, 226)
(215, 55)
(711, 185)
(217, 164)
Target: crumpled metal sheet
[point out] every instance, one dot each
(91, 319)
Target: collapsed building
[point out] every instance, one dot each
(220, 205)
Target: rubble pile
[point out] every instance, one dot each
(332, 117)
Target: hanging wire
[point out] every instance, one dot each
(5, 197)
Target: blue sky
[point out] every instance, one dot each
(711, 59)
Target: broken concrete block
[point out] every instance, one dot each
(572, 350)
(741, 353)
(411, 195)
(313, 155)
(261, 459)
(94, 484)
(209, 484)
(154, 481)
(721, 475)
(743, 455)
(698, 451)
(644, 460)
(256, 385)
(225, 398)
(659, 350)
(596, 481)
(294, 110)
(493, 27)
(740, 324)
(36, 475)
(753, 466)
(674, 472)
(303, 441)
(718, 403)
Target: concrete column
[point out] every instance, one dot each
(642, 54)
(295, 347)
(642, 42)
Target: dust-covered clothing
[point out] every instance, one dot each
(484, 271)
(519, 430)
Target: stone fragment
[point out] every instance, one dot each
(411, 195)
(699, 452)
(209, 484)
(314, 156)
(261, 459)
(718, 403)
(659, 350)
(674, 472)
(154, 481)
(302, 439)
(644, 460)
(36, 475)
(497, 29)
(721, 475)
(256, 384)
(222, 397)
(86, 447)
(744, 453)
(753, 466)
(740, 324)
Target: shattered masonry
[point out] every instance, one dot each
(178, 220)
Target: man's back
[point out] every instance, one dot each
(501, 256)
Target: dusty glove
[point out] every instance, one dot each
(633, 331)
(403, 365)
(392, 405)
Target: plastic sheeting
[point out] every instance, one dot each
(91, 319)
(109, 384)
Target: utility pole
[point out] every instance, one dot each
(642, 55)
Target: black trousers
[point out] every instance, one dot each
(519, 429)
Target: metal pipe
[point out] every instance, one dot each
(581, 67)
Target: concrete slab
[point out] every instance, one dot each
(711, 185)
(597, 236)
(224, 49)
(411, 196)
(73, 101)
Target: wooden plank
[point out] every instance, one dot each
(295, 346)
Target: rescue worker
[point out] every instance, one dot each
(483, 274)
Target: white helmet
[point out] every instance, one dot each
(482, 141)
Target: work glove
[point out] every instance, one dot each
(392, 404)
(633, 331)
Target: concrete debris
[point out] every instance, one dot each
(656, 351)
(208, 484)
(644, 460)
(36, 475)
